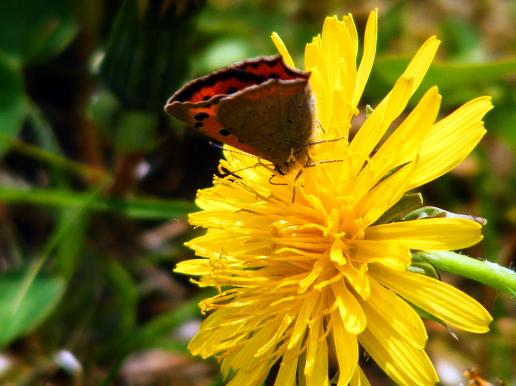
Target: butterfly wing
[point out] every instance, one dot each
(275, 118)
(270, 67)
(199, 101)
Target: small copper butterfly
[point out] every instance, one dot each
(259, 106)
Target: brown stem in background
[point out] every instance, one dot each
(88, 138)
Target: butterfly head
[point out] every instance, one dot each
(298, 159)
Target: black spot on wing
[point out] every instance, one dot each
(201, 116)
(198, 125)
(224, 132)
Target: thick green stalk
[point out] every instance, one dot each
(483, 271)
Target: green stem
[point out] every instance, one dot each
(55, 159)
(483, 271)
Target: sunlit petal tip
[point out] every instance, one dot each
(282, 49)
(431, 42)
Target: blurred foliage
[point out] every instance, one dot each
(96, 182)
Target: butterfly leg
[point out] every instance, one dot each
(299, 172)
(275, 183)
(309, 165)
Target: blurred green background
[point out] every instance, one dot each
(96, 181)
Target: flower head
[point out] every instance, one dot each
(304, 281)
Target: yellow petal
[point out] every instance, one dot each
(392, 105)
(385, 194)
(403, 144)
(359, 378)
(357, 278)
(385, 308)
(350, 26)
(287, 371)
(350, 310)
(312, 53)
(282, 49)
(254, 377)
(429, 234)
(246, 358)
(302, 320)
(389, 253)
(419, 65)
(336, 254)
(451, 140)
(194, 267)
(377, 123)
(316, 368)
(368, 55)
(205, 338)
(400, 360)
(346, 348)
(278, 335)
(437, 298)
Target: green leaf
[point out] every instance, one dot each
(461, 39)
(502, 120)
(33, 30)
(23, 308)
(141, 208)
(407, 203)
(13, 106)
(124, 297)
(68, 247)
(146, 55)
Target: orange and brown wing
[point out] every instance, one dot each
(202, 116)
(197, 103)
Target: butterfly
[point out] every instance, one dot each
(260, 106)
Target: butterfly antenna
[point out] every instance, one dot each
(225, 172)
(233, 173)
(216, 145)
(221, 147)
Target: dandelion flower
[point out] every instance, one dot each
(303, 282)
